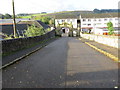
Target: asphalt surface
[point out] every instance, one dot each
(64, 63)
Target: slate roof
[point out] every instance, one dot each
(99, 15)
(10, 21)
(87, 15)
(37, 23)
(66, 16)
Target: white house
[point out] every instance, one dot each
(98, 21)
(70, 19)
(91, 21)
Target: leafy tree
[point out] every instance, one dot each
(51, 22)
(7, 16)
(34, 31)
(110, 28)
(44, 19)
(1, 16)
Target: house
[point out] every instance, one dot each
(37, 23)
(98, 21)
(7, 29)
(21, 25)
(88, 21)
(70, 19)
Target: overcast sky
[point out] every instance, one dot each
(37, 6)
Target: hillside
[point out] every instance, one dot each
(66, 14)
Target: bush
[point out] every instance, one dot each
(34, 31)
(58, 31)
(110, 28)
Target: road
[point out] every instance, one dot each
(64, 63)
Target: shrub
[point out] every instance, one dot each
(110, 28)
(34, 31)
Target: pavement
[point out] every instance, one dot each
(109, 51)
(112, 50)
(65, 63)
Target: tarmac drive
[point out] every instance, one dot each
(65, 63)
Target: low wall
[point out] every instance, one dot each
(107, 40)
(12, 45)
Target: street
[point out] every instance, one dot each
(65, 63)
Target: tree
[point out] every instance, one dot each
(110, 28)
(34, 31)
(2, 16)
(96, 11)
(7, 16)
(44, 19)
(51, 22)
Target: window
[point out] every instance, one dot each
(110, 19)
(84, 19)
(89, 24)
(105, 19)
(89, 19)
(99, 19)
(63, 20)
(98, 24)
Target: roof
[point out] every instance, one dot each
(63, 16)
(86, 15)
(43, 24)
(37, 23)
(10, 21)
(99, 15)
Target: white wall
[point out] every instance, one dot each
(98, 22)
(74, 22)
(107, 40)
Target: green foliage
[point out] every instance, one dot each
(7, 16)
(48, 29)
(58, 31)
(110, 28)
(71, 25)
(34, 31)
(51, 21)
(45, 19)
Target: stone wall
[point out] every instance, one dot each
(107, 40)
(12, 45)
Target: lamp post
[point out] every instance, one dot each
(14, 22)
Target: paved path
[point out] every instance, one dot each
(65, 63)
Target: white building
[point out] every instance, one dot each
(98, 21)
(68, 20)
(91, 21)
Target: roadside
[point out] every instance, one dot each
(106, 50)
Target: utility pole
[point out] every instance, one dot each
(14, 22)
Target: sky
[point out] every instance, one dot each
(38, 6)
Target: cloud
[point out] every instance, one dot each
(37, 6)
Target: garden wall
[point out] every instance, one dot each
(12, 45)
(104, 39)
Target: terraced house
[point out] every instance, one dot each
(92, 21)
